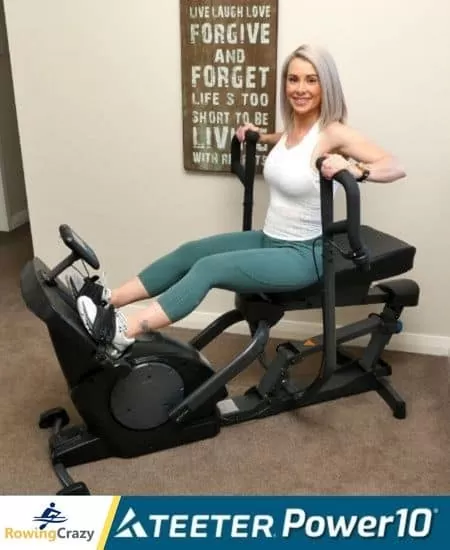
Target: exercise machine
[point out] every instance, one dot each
(162, 393)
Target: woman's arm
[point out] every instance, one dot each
(382, 167)
(270, 139)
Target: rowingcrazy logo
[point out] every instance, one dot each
(46, 528)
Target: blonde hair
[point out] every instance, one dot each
(333, 106)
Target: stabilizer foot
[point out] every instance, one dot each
(56, 419)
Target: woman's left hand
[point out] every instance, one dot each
(332, 164)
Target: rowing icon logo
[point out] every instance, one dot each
(130, 527)
(50, 515)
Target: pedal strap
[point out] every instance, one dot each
(104, 327)
(92, 290)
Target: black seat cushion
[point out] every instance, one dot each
(389, 257)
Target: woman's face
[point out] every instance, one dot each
(303, 89)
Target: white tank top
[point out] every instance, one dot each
(294, 183)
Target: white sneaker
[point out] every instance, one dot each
(105, 325)
(88, 286)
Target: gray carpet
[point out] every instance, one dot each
(351, 446)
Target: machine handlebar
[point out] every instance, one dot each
(246, 175)
(352, 225)
(78, 246)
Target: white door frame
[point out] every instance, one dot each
(4, 219)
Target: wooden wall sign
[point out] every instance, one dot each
(229, 63)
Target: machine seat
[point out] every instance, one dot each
(389, 257)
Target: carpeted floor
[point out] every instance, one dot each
(352, 446)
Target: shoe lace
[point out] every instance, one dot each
(102, 279)
(121, 322)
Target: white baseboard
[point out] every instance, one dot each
(18, 219)
(425, 344)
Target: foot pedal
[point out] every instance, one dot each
(242, 408)
(227, 407)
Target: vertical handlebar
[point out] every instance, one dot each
(246, 173)
(352, 225)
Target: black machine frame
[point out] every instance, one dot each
(205, 405)
(341, 375)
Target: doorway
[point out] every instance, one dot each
(13, 200)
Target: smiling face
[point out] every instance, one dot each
(303, 90)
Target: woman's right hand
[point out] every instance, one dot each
(241, 131)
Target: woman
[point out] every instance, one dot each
(280, 256)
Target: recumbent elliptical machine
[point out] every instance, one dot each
(163, 393)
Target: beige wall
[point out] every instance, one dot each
(99, 104)
(13, 211)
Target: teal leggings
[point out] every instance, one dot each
(242, 262)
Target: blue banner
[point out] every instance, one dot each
(279, 522)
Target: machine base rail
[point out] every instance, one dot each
(348, 380)
(75, 445)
